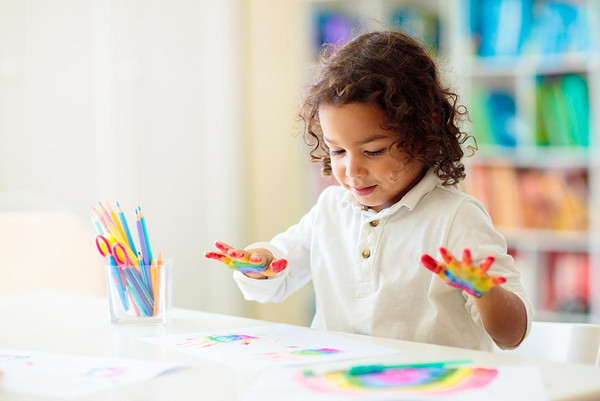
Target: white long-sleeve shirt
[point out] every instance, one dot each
(366, 270)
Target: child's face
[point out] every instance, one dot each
(364, 158)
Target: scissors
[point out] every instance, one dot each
(103, 245)
(117, 249)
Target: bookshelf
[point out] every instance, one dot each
(528, 70)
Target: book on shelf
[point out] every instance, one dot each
(554, 114)
(507, 199)
(417, 21)
(494, 117)
(574, 89)
(561, 26)
(563, 111)
(571, 210)
(537, 206)
(566, 284)
(500, 26)
(332, 26)
(483, 129)
(503, 115)
(478, 184)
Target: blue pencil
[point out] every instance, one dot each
(143, 220)
(123, 221)
(116, 273)
(97, 225)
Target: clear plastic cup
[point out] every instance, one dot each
(139, 295)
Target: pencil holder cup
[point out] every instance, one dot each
(139, 295)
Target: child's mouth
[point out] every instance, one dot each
(364, 191)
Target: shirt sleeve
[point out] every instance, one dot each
(292, 245)
(477, 233)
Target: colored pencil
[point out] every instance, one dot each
(116, 221)
(126, 229)
(142, 238)
(143, 219)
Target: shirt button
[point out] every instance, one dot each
(366, 253)
(374, 223)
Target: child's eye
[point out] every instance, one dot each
(336, 152)
(375, 153)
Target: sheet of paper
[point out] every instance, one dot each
(69, 376)
(458, 384)
(270, 345)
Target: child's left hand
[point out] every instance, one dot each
(463, 275)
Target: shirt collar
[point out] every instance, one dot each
(429, 181)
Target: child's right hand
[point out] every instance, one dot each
(255, 263)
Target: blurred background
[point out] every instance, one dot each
(187, 109)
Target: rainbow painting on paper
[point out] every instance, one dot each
(297, 353)
(412, 380)
(386, 382)
(217, 339)
(270, 345)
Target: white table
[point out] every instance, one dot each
(63, 323)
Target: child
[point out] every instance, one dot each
(378, 118)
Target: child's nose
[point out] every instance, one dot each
(354, 167)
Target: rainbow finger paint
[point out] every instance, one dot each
(299, 354)
(209, 341)
(406, 381)
(245, 262)
(463, 275)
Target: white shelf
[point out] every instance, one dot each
(569, 157)
(536, 240)
(524, 65)
(553, 316)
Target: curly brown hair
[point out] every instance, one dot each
(394, 71)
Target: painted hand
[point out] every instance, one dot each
(463, 275)
(247, 262)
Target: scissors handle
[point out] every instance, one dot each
(103, 246)
(120, 255)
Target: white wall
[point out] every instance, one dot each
(276, 179)
(133, 101)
